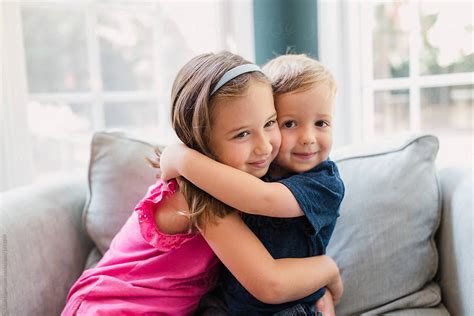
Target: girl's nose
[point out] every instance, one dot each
(263, 146)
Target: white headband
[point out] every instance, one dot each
(234, 72)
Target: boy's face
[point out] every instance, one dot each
(305, 119)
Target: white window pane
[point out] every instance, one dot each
(126, 50)
(58, 118)
(447, 108)
(391, 40)
(447, 31)
(127, 116)
(447, 112)
(66, 154)
(187, 28)
(61, 136)
(195, 26)
(391, 112)
(56, 50)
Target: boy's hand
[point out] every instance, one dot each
(170, 160)
(325, 305)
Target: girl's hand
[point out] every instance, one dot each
(336, 288)
(325, 305)
(170, 160)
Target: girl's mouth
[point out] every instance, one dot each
(259, 163)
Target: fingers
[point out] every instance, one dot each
(320, 304)
(325, 305)
(152, 163)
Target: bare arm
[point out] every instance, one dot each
(272, 281)
(236, 188)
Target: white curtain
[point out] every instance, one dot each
(16, 161)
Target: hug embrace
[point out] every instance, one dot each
(251, 186)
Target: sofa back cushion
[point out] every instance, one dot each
(384, 238)
(383, 241)
(118, 178)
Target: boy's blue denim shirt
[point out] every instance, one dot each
(319, 193)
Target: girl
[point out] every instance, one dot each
(163, 259)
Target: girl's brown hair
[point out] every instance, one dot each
(191, 115)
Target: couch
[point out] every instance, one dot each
(404, 240)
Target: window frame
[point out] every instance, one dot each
(97, 97)
(353, 68)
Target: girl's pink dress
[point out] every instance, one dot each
(146, 272)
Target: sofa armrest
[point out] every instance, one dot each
(44, 245)
(455, 241)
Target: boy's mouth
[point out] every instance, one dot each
(305, 155)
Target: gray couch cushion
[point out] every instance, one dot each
(384, 239)
(118, 178)
(456, 240)
(44, 245)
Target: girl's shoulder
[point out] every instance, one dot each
(160, 216)
(170, 216)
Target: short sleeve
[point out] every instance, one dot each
(319, 192)
(146, 209)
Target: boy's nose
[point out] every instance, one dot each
(308, 138)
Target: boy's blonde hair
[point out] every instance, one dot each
(291, 73)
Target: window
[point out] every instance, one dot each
(95, 65)
(408, 68)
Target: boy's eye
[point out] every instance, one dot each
(289, 124)
(242, 134)
(321, 123)
(270, 123)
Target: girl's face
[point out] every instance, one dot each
(244, 130)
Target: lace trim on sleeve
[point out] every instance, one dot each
(146, 219)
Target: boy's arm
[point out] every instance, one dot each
(270, 281)
(236, 188)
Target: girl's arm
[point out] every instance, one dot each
(272, 281)
(233, 187)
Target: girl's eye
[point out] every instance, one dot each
(289, 124)
(270, 123)
(321, 123)
(241, 134)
